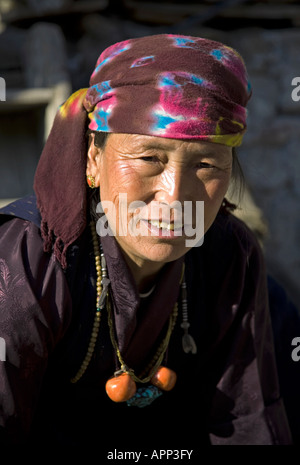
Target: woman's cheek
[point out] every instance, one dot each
(216, 191)
(124, 178)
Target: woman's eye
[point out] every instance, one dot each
(150, 159)
(204, 165)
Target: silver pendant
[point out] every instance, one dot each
(188, 344)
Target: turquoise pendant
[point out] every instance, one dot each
(144, 396)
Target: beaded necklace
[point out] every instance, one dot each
(122, 387)
(102, 284)
(149, 371)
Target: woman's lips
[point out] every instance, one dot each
(164, 225)
(163, 229)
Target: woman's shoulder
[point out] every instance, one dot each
(17, 237)
(20, 237)
(24, 208)
(232, 232)
(20, 233)
(19, 224)
(230, 251)
(31, 280)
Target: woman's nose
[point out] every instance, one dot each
(173, 185)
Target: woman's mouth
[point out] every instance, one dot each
(163, 228)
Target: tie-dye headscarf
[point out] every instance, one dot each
(170, 86)
(163, 85)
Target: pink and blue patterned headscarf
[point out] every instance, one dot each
(163, 85)
(170, 86)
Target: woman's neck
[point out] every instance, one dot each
(144, 273)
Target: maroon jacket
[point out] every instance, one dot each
(227, 393)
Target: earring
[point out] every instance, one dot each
(91, 181)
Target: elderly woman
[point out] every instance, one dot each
(141, 321)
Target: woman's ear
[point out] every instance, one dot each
(93, 160)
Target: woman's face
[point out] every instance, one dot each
(161, 174)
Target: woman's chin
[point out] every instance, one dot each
(157, 250)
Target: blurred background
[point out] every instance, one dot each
(48, 48)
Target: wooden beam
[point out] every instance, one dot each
(166, 13)
(20, 99)
(25, 14)
(275, 11)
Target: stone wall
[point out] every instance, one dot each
(270, 154)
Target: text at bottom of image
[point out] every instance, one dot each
(156, 454)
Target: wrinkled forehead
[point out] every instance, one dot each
(135, 144)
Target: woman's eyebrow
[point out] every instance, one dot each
(193, 151)
(148, 145)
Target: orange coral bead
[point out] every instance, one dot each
(164, 378)
(120, 388)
